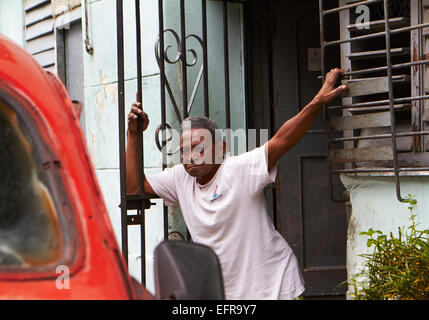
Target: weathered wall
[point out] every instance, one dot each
(102, 113)
(62, 6)
(12, 20)
(374, 205)
(101, 98)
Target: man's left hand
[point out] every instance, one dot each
(328, 92)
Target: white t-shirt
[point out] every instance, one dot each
(229, 215)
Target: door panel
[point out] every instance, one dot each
(323, 245)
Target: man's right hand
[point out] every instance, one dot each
(132, 155)
(133, 116)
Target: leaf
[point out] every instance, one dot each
(382, 237)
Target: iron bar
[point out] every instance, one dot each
(391, 99)
(226, 63)
(384, 68)
(377, 34)
(183, 59)
(271, 93)
(205, 58)
(420, 125)
(366, 170)
(325, 108)
(177, 59)
(247, 96)
(184, 66)
(121, 112)
(379, 136)
(141, 210)
(379, 23)
(346, 7)
(161, 57)
(163, 111)
(195, 89)
(377, 103)
(391, 103)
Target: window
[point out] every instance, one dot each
(382, 119)
(30, 228)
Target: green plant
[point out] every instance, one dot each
(398, 268)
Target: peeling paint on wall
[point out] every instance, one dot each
(62, 6)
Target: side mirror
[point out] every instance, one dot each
(187, 271)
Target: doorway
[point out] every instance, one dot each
(285, 65)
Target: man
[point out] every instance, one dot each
(222, 201)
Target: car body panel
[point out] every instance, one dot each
(97, 268)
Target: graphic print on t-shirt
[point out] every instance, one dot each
(215, 195)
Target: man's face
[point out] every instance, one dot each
(198, 152)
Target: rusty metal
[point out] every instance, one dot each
(378, 53)
(226, 64)
(382, 170)
(121, 117)
(366, 118)
(391, 98)
(377, 34)
(205, 57)
(162, 97)
(379, 24)
(348, 74)
(349, 6)
(395, 66)
(141, 201)
(378, 103)
(180, 58)
(379, 136)
(325, 108)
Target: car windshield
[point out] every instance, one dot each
(30, 232)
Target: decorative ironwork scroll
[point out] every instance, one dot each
(180, 57)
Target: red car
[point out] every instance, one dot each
(56, 240)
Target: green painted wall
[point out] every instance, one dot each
(101, 113)
(374, 205)
(12, 20)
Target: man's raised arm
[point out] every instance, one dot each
(132, 160)
(295, 128)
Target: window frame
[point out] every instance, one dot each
(44, 157)
(412, 162)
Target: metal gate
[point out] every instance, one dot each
(184, 59)
(383, 56)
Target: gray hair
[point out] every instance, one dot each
(202, 123)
